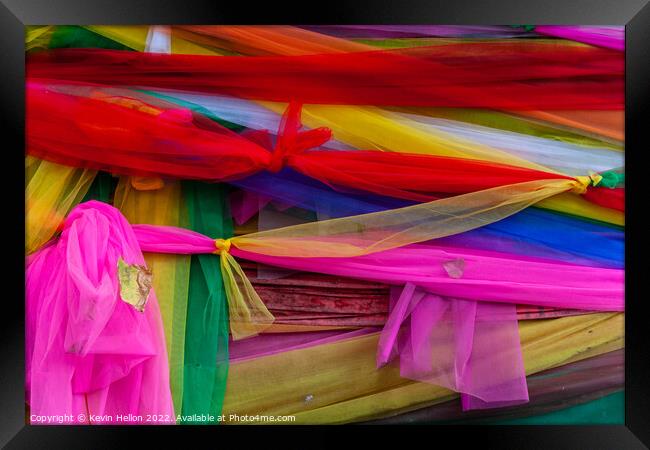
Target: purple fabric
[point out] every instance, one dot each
(467, 346)
(271, 343)
(406, 31)
(608, 37)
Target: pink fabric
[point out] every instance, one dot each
(244, 205)
(269, 343)
(88, 353)
(489, 276)
(442, 334)
(607, 37)
(467, 346)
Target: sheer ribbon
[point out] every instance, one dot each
(376, 233)
(248, 314)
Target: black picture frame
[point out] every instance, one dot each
(15, 14)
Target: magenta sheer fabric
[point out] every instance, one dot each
(489, 276)
(88, 353)
(606, 37)
(467, 346)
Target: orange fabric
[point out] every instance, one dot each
(609, 124)
(271, 40)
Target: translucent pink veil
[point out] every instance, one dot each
(90, 355)
(467, 346)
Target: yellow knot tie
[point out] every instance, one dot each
(583, 182)
(222, 245)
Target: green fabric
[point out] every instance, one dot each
(525, 27)
(102, 188)
(68, 36)
(608, 410)
(612, 179)
(207, 327)
(198, 109)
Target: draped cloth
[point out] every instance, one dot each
(456, 303)
(478, 75)
(466, 346)
(88, 351)
(86, 131)
(474, 323)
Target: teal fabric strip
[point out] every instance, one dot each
(607, 410)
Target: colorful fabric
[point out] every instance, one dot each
(339, 223)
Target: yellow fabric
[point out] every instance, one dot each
(371, 233)
(380, 231)
(135, 37)
(371, 128)
(37, 36)
(247, 313)
(340, 383)
(170, 272)
(51, 191)
(516, 123)
(576, 205)
(132, 36)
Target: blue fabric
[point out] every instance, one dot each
(532, 232)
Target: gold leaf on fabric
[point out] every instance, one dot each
(454, 268)
(135, 284)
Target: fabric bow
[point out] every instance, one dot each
(248, 314)
(291, 141)
(583, 182)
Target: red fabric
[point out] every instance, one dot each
(609, 198)
(88, 132)
(304, 298)
(481, 75)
